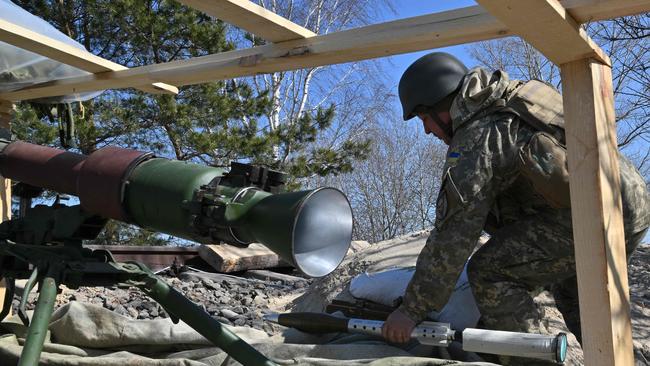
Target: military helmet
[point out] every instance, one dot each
(429, 80)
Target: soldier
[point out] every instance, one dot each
(490, 182)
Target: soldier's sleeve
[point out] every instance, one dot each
(466, 196)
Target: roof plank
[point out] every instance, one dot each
(584, 11)
(551, 30)
(62, 52)
(400, 36)
(252, 18)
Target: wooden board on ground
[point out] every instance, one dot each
(229, 258)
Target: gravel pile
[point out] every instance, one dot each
(231, 300)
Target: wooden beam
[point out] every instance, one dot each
(62, 52)
(406, 35)
(584, 11)
(6, 114)
(601, 265)
(551, 30)
(252, 18)
(401, 36)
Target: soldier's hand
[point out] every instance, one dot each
(398, 327)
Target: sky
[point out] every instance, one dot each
(411, 8)
(394, 66)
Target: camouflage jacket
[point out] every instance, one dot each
(481, 187)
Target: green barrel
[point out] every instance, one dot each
(158, 193)
(310, 229)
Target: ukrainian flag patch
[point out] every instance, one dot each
(452, 158)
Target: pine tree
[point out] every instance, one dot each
(212, 123)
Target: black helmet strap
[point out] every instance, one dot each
(443, 106)
(445, 127)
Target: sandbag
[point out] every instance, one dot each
(388, 287)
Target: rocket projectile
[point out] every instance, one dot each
(540, 346)
(439, 334)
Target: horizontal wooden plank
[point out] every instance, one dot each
(252, 18)
(401, 36)
(584, 11)
(62, 52)
(552, 30)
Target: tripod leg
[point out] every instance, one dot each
(38, 328)
(182, 307)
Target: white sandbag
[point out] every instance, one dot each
(387, 288)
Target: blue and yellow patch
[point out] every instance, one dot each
(452, 158)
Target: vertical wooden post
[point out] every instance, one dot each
(597, 213)
(6, 113)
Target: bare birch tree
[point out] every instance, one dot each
(351, 90)
(394, 191)
(627, 42)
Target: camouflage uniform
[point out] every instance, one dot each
(531, 243)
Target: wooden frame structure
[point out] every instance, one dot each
(552, 26)
(6, 113)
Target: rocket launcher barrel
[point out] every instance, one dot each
(310, 229)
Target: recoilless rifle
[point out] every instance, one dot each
(311, 230)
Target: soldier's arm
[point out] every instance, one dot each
(468, 191)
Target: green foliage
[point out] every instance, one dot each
(212, 123)
(29, 125)
(118, 233)
(301, 135)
